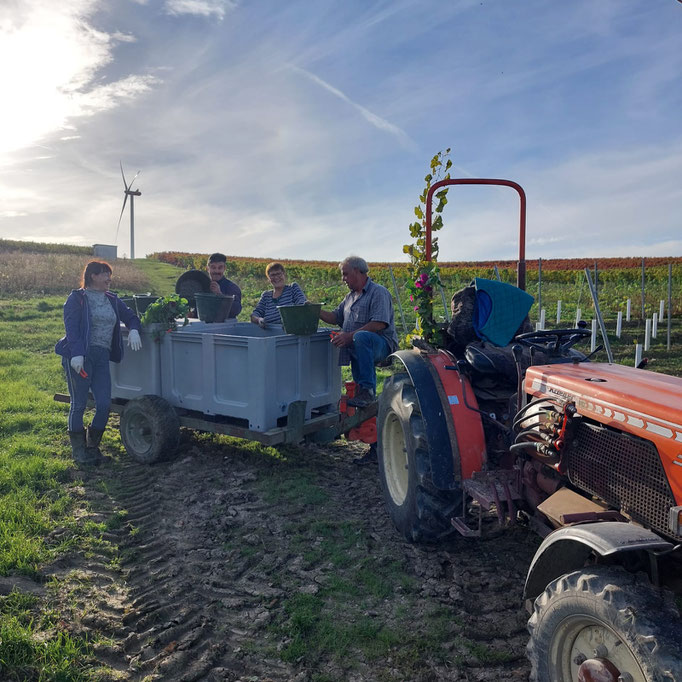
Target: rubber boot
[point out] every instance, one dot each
(93, 439)
(78, 449)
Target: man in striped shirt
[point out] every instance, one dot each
(368, 329)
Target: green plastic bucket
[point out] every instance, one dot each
(213, 307)
(142, 302)
(300, 319)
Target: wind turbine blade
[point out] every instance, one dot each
(125, 184)
(133, 180)
(123, 208)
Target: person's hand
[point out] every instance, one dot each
(134, 340)
(214, 287)
(77, 363)
(342, 339)
(262, 323)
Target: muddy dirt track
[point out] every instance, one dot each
(229, 564)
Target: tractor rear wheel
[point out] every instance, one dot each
(150, 429)
(604, 623)
(419, 510)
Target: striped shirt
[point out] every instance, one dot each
(267, 306)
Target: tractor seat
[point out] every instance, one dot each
(490, 360)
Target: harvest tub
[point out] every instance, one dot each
(233, 369)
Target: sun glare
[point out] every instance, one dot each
(49, 56)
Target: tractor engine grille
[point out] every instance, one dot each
(624, 471)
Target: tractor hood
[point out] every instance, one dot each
(636, 401)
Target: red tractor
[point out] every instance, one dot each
(589, 454)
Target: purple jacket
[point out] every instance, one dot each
(77, 325)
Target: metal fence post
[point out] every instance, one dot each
(397, 298)
(670, 300)
(643, 314)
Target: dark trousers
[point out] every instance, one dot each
(368, 348)
(98, 381)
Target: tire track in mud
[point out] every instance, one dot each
(210, 562)
(191, 604)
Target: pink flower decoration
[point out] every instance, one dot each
(416, 307)
(411, 297)
(418, 284)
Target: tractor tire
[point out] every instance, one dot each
(419, 510)
(617, 621)
(150, 429)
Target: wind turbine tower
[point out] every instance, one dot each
(128, 192)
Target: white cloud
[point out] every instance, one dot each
(376, 121)
(204, 8)
(123, 37)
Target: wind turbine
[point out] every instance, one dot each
(127, 192)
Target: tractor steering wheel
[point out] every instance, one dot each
(552, 340)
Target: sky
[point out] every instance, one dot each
(303, 129)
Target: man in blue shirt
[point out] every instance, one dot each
(217, 262)
(368, 329)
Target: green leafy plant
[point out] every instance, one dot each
(425, 274)
(166, 311)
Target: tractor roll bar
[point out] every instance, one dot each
(521, 265)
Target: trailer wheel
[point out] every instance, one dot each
(417, 508)
(150, 429)
(604, 623)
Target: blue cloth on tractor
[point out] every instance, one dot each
(499, 310)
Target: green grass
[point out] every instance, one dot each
(24, 656)
(37, 492)
(161, 276)
(346, 616)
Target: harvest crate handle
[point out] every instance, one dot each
(521, 265)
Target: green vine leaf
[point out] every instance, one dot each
(425, 274)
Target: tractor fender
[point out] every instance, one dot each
(567, 549)
(441, 432)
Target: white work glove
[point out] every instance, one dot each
(262, 323)
(77, 363)
(134, 340)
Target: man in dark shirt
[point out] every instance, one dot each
(220, 284)
(368, 330)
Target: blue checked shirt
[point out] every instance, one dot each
(372, 304)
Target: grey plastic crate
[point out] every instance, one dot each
(237, 369)
(249, 373)
(139, 373)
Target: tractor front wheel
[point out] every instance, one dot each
(419, 510)
(150, 429)
(604, 623)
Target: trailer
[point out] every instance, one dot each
(231, 378)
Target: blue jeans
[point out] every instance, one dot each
(98, 381)
(368, 348)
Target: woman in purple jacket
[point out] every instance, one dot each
(92, 319)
